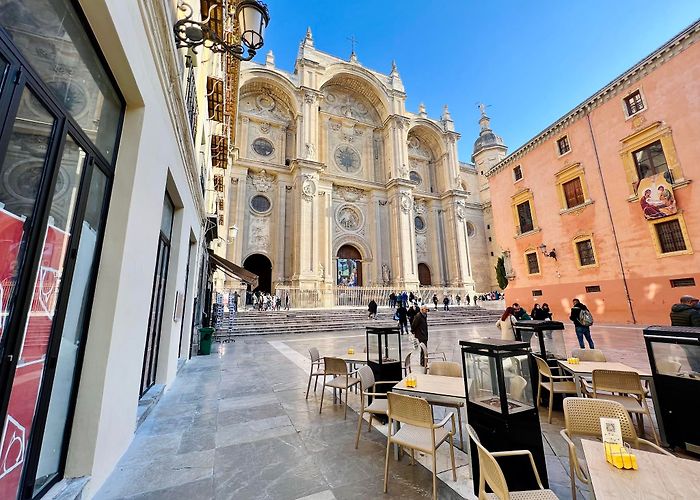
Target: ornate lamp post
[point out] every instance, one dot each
(252, 17)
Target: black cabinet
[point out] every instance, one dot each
(498, 378)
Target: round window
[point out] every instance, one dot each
(263, 147)
(419, 223)
(471, 230)
(260, 204)
(415, 177)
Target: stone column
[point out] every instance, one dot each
(310, 130)
(237, 210)
(307, 223)
(403, 238)
(459, 260)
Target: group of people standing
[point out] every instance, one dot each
(265, 301)
(580, 317)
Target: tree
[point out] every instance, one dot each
(501, 273)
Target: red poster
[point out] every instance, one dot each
(25, 387)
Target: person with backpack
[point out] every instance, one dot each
(583, 319)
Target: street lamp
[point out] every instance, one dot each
(252, 16)
(552, 253)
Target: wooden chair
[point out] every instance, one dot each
(379, 404)
(555, 384)
(582, 419)
(418, 432)
(589, 355)
(316, 369)
(343, 380)
(449, 369)
(625, 388)
(490, 473)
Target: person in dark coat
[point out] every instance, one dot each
(372, 308)
(581, 330)
(402, 314)
(546, 312)
(435, 300)
(445, 303)
(685, 313)
(537, 313)
(469, 300)
(411, 313)
(419, 327)
(392, 300)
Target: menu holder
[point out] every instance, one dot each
(617, 452)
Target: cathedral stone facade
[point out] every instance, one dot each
(336, 183)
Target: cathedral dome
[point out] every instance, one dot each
(486, 139)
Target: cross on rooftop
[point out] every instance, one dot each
(353, 42)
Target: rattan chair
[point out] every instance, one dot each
(343, 380)
(316, 369)
(555, 384)
(379, 402)
(418, 432)
(490, 473)
(449, 369)
(582, 419)
(589, 355)
(625, 388)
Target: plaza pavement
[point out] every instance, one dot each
(236, 425)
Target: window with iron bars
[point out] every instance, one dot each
(215, 99)
(219, 151)
(220, 203)
(219, 183)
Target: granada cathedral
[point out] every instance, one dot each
(336, 184)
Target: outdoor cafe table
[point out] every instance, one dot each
(658, 477)
(584, 369)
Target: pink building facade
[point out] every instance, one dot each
(604, 204)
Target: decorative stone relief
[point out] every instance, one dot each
(417, 149)
(406, 202)
(308, 187)
(309, 97)
(349, 218)
(264, 128)
(259, 235)
(401, 122)
(262, 181)
(347, 105)
(310, 153)
(350, 193)
(419, 207)
(461, 209)
(264, 105)
(422, 244)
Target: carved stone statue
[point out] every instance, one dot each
(386, 275)
(322, 270)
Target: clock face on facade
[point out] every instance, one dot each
(347, 159)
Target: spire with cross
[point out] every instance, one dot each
(353, 42)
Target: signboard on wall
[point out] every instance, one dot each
(656, 197)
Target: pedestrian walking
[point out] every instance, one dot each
(435, 300)
(402, 317)
(582, 319)
(404, 298)
(546, 312)
(458, 299)
(446, 303)
(286, 301)
(419, 327)
(392, 300)
(372, 308)
(505, 324)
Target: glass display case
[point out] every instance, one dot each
(546, 338)
(674, 357)
(384, 354)
(498, 381)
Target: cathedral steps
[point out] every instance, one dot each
(328, 320)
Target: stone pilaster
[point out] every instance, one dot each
(306, 224)
(403, 237)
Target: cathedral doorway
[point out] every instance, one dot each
(349, 266)
(260, 265)
(424, 275)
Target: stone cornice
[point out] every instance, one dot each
(159, 32)
(670, 49)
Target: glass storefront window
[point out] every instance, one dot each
(51, 36)
(30, 366)
(20, 176)
(59, 406)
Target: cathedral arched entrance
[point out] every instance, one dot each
(349, 266)
(424, 277)
(260, 265)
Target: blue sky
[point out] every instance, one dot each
(530, 61)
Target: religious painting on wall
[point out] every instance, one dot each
(347, 272)
(656, 197)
